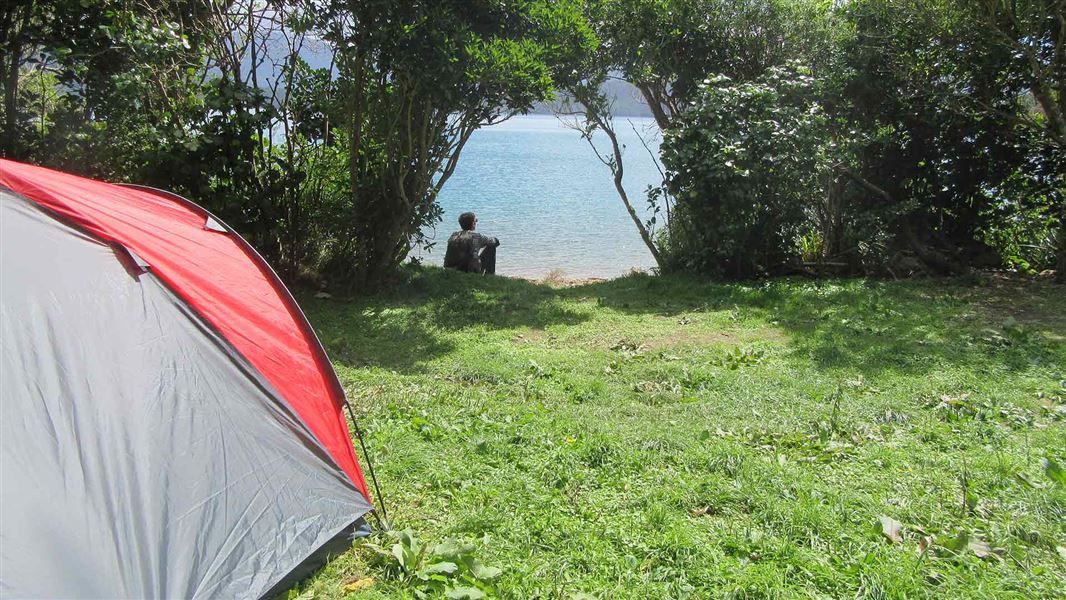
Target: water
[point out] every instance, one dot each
(538, 187)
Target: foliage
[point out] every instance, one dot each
(450, 568)
(151, 94)
(1033, 33)
(937, 145)
(925, 158)
(416, 79)
(1026, 233)
(214, 100)
(119, 69)
(744, 161)
(908, 93)
(668, 47)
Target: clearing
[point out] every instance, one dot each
(665, 437)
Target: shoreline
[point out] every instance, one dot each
(559, 278)
(557, 281)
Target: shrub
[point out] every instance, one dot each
(744, 163)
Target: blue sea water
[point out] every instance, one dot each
(537, 185)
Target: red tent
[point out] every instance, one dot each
(126, 310)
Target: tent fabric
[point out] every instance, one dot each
(219, 276)
(142, 455)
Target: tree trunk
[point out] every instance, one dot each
(9, 136)
(1060, 263)
(597, 113)
(932, 257)
(656, 107)
(618, 171)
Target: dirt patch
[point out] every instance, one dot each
(529, 336)
(558, 281)
(557, 278)
(1033, 302)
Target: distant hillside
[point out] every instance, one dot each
(628, 102)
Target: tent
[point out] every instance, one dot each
(170, 426)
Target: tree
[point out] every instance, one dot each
(588, 111)
(745, 191)
(593, 115)
(919, 149)
(258, 148)
(1034, 32)
(668, 49)
(938, 110)
(416, 79)
(108, 58)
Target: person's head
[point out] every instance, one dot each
(468, 221)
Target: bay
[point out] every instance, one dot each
(538, 186)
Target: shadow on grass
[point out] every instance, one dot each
(402, 328)
(873, 326)
(912, 327)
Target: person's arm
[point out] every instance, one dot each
(484, 241)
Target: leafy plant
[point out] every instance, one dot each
(628, 348)
(1055, 472)
(737, 358)
(416, 80)
(811, 246)
(827, 428)
(742, 191)
(450, 568)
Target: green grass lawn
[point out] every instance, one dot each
(665, 437)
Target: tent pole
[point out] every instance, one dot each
(383, 520)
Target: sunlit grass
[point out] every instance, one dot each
(664, 437)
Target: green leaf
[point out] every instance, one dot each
(377, 549)
(1025, 481)
(483, 572)
(1054, 471)
(441, 567)
(464, 593)
(448, 548)
(955, 544)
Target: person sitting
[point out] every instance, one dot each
(470, 251)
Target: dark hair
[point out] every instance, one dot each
(466, 221)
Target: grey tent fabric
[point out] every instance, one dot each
(140, 455)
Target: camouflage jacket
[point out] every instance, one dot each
(464, 248)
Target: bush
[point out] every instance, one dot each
(744, 163)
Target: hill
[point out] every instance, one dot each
(628, 101)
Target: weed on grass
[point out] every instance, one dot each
(669, 438)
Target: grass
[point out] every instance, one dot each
(666, 437)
